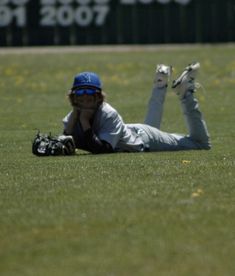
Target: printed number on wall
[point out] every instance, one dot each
(66, 15)
(8, 15)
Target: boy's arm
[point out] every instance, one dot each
(94, 144)
(73, 119)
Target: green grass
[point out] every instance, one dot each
(168, 213)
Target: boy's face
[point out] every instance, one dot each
(86, 101)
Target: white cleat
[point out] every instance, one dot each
(186, 81)
(163, 73)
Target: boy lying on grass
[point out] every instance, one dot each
(95, 126)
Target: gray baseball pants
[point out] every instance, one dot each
(157, 140)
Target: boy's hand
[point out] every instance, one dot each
(85, 116)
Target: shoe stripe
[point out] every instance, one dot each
(180, 78)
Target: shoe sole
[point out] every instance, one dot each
(169, 70)
(189, 68)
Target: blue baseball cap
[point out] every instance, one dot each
(87, 79)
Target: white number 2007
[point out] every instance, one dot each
(66, 15)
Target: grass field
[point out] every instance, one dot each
(167, 214)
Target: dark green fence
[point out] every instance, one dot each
(81, 22)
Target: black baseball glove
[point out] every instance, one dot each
(46, 145)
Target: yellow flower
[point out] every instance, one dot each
(185, 162)
(197, 193)
(9, 71)
(19, 80)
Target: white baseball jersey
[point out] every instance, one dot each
(108, 125)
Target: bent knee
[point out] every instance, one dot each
(206, 146)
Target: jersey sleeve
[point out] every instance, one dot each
(111, 129)
(66, 119)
